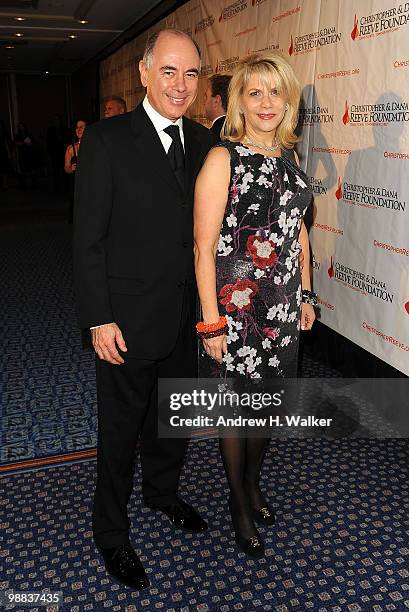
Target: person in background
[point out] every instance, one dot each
(250, 201)
(71, 158)
(114, 106)
(135, 288)
(216, 98)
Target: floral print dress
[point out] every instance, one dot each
(257, 266)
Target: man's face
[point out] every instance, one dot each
(171, 81)
(112, 108)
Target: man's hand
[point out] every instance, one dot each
(105, 340)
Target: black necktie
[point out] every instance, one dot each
(176, 154)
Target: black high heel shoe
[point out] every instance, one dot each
(253, 546)
(264, 515)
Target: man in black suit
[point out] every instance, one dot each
(216, 101)
(134, 279)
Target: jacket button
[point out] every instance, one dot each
(185, 244)
(181, 284)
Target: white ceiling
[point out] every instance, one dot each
(45, 44)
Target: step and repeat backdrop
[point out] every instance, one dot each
(352, 59)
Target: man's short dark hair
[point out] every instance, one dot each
(119, 101)
(219, 84)
(152, 40)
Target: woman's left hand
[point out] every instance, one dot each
(307, 316)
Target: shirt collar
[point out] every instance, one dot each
(159, 122)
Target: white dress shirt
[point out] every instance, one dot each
(159, 123)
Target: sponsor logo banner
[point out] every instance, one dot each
(366, 284)
(204, 24)
(314, 40)
(391, 19)
(232, 10)
(370, 195)
(227, 65)
(315, 114)
(375, 114)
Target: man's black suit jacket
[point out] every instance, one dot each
(133, 234)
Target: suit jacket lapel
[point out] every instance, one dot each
(151, 149)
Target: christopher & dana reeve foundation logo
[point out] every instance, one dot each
(357, 280)
(204, 24)
(382, 22)
(375, 114)
(206, 70)
(227, 65)
(369, 196)
(315, 114)
(232, 10)
(314, 40)
(318, 188)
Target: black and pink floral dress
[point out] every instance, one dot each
(258, 272)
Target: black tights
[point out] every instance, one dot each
(242, 460)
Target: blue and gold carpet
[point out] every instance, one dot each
(340, 542)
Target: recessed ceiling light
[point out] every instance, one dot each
(83, 21)
(46, 72)
(72, 36)
(19, 34)
(9, 47)
(19, 18)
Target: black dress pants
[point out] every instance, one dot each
(127, 413)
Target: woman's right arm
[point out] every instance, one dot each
(211, 193)
(67, 163)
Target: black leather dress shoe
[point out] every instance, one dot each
(264, 515)
(123, 564)
(183, 516)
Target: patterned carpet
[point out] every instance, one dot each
(341, 537)
(340, 542)
(48, 387)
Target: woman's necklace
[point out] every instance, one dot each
(273, 147)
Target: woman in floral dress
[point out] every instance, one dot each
(250, 201)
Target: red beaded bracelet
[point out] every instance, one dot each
(216, 329)
(213, 334)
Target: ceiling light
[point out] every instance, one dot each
(9, 47)
(19, 34)
(19, 18)
(72, 36)
(46, 72)
(83, 21)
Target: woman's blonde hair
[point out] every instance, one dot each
(269, 66)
